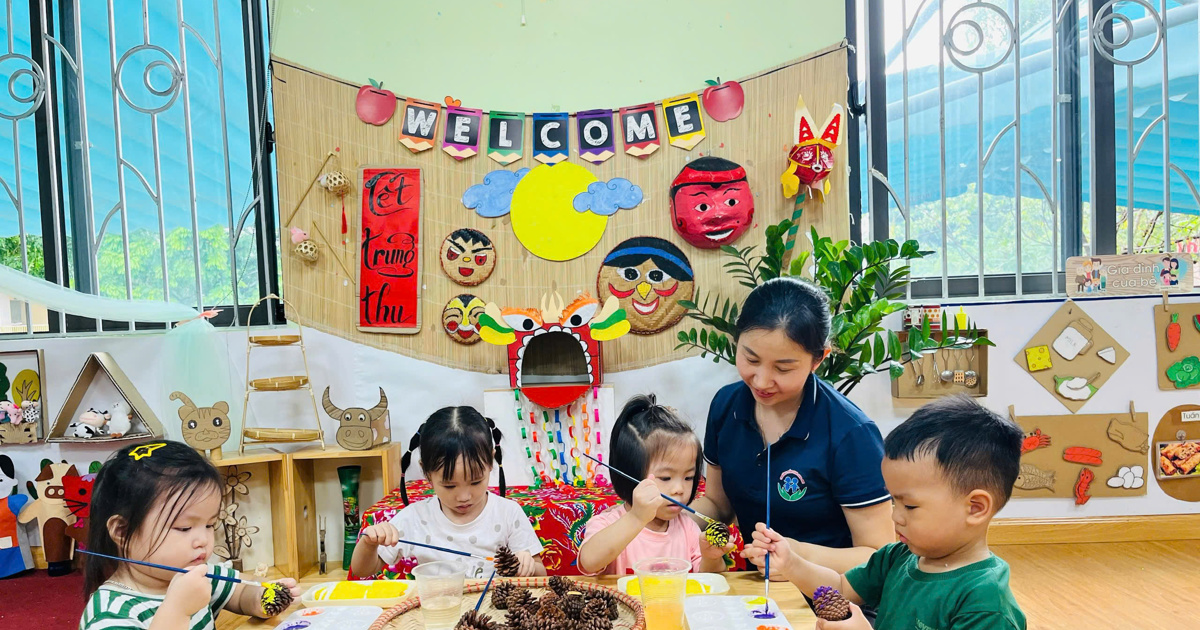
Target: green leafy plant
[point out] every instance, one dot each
(864, 284)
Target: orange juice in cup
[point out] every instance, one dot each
(663, 584)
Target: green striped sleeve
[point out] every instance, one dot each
(109, 609)
(222, 590)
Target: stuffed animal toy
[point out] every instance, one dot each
(84, 431)
(31, 410)
(119, 421)
(14, 556)
(9, 412)
(93, 418)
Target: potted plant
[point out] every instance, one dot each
(864, 284)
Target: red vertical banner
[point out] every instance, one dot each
(389, 250)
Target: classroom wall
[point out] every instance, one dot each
(569, 55)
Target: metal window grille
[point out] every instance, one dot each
(1009, 135)
(134, 154)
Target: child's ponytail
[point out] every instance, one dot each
(406, 459)
(496, 436)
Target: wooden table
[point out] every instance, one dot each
(742, 583)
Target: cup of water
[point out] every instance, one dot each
(663, 582)
(440, 587)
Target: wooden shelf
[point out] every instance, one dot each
(279, 383)
(253, 456)
(335, 573)
(279, 472)
(282, 435)
(337, 452)
(275, 340)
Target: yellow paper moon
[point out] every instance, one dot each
(544, 218)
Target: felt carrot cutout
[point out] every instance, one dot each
(1174, 332)
(1083, 455)
(1196, 321)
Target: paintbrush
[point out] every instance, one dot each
(453, 551)
(226, 578)
(767, 570)
(485, 590)
(636, 480)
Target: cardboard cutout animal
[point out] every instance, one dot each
(14, 556)
(77, 496)
(204, 428)
(50, 511)
(360, 429)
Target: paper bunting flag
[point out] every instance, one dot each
(419, 125)
(551, 137)
(596, 137)
(640, 125)
(506, 134)
(462, 132)
(685, 123)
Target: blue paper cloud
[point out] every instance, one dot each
(605, 198)
(492, 198)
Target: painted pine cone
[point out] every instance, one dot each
(500, 594)
(560, 584)
(829, 604)
(506, 562)
(717, 534)
(472, 620)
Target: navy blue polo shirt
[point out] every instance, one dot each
(827, 460)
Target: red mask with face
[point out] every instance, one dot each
(711, 202)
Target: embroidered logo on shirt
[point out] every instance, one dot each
(791, 486)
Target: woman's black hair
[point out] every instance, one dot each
(636, 442)
(451, 433)
(131, 483)
(797, 307)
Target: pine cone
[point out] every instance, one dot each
(551, 611)
(829, 604)
(500, 594)
(522, 599)
(472, 620)
(596, 623)
(717, 534)
(594, 608)
(506, 562)
(572, 604)
(560, 584)
(517, 618)
(550, 598)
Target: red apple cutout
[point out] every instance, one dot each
(724, 101)
(374, 104)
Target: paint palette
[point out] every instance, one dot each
(320, 618)
(734, 612)
(697, 584)
(382, 593)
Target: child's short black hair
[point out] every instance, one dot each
(975, 447)
(643, 431)
(133, 481)
(451, 433)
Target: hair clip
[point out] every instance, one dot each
(145, 450)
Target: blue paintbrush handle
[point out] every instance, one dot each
(164, 567)
(636, 480)
(485, 590)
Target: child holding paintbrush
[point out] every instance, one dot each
(153, 511)
(650, 441)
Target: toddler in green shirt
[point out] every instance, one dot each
(949, 468)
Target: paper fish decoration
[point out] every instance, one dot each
(1033, 478)
(811, 159)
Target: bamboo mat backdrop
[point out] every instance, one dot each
(314, 114)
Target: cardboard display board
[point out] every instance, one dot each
(1136, 274)
(102, 363)
(1066, 356)
(1180, 423)
(1186, 356)
(927, 371)
(1122, 439)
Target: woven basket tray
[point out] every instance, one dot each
(407, 616)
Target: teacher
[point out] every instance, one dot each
(824, 483)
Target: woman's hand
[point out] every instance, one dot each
(856, 621)
(528, 564)
(646, 500)
(381, 535)
(769, 542)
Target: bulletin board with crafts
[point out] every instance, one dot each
(1177, 340)
(406, 215)
(1071, 356)
(1176, 453)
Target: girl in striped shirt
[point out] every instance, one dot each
(158, 502)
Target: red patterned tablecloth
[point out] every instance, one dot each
(558, 515)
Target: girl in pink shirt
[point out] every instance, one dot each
(650, 441)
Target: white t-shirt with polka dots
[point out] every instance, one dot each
(502, 522)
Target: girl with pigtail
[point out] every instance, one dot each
(458, 447)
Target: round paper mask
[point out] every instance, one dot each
(468, 256)
(711, 203)
(648, 276)
(460, 318)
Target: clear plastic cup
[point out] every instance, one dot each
(664, 585)
(440, 587)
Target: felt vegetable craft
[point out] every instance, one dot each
(1174, 332)
(1196, 321)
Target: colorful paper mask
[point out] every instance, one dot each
(460, 318)
(811, 159)
(554, 352)
(648, 276)
(468, 257)
(711, 202)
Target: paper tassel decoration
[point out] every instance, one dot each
(811, 158)
(551, 137)
(597, 138)
(506, 134)
(461, 140)
(640, 126)
(685, 123)
(419, 125)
